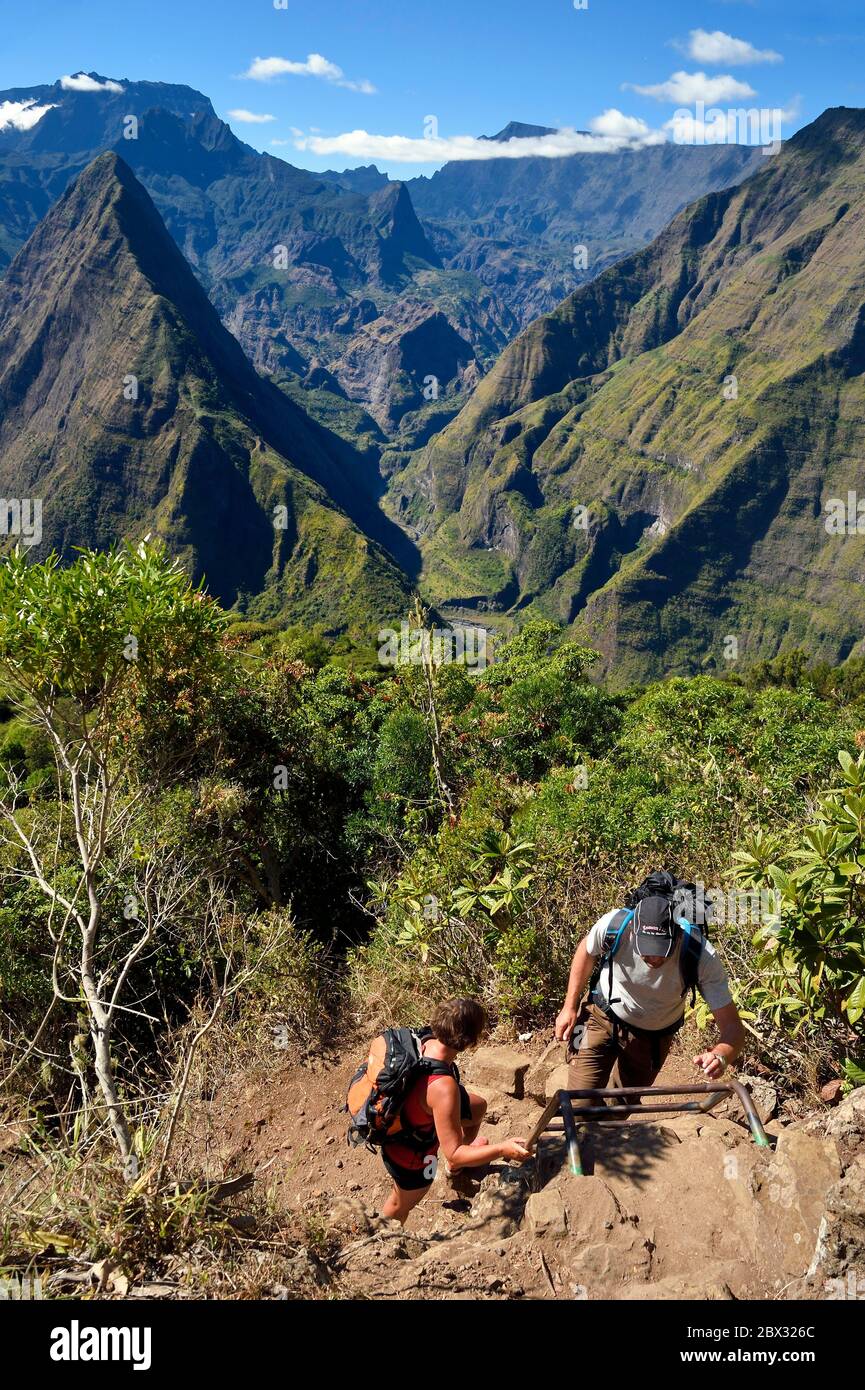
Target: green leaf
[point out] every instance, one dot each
(855, 1002)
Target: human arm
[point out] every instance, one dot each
(581, 970)
(443, 1098)
(715, 1061)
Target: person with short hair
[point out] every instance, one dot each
(440, 1113)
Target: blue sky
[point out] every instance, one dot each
(383, 66)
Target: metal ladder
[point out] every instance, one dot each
(561, 1105)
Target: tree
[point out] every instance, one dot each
(97, 655)
(811, 959)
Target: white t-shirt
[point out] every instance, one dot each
(652, 997)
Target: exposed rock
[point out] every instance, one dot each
(304, 1268)
(847, 1124)
(541, 1069)
(545, 1213)
(351, 1216)
(702, 1289)
(557, 1080)
(765, 1096)
(409, 355)
(791, 1190)
(838, 1268)
(498, 1208)
(500, 1068)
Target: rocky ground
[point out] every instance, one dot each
(683, 1207)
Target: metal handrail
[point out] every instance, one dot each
(711, 1093)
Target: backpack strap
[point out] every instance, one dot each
(419, 1137)
(613, 934)
(654, 1035)
(434, 1066)
(689, 957)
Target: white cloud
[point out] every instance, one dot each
(616, 132)
(82, 83)
(719, 47)
(21, 115)
(265, 69)
(250, 117)
(613, 123)
(686, 88)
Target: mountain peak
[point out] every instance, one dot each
(103, 229)
(100, 301)
(366, 178)
(397, 223)
(518, 130)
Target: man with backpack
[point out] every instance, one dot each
(407, 1101)
(639, 964)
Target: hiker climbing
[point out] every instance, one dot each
(407, 1100)
(637, 965)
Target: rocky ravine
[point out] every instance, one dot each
(683, 1208)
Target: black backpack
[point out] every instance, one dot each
(379, 1088)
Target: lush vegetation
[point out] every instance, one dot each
(291, 823)
(223, 840)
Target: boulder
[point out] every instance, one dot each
(838, 1268)
(601, 1268)
(349, 1216)
(592, 1209)
(791, 1188)
(540, 1070)
(498, 1208)
(499, 1069)
(557, 1080)
(606, 1245)
(831, 1092)
(545, 1213)
(765, 1095)
(846, 1124)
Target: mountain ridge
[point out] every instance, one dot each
(613, 407)
(127, 405)
(355, 254)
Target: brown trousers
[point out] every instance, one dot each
(629, 1056)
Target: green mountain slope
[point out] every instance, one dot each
(611, 473)
(127, 408)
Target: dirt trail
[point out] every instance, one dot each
(686, 1207)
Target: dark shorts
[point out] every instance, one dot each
(413, 1179)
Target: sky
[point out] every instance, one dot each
(408, 84)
